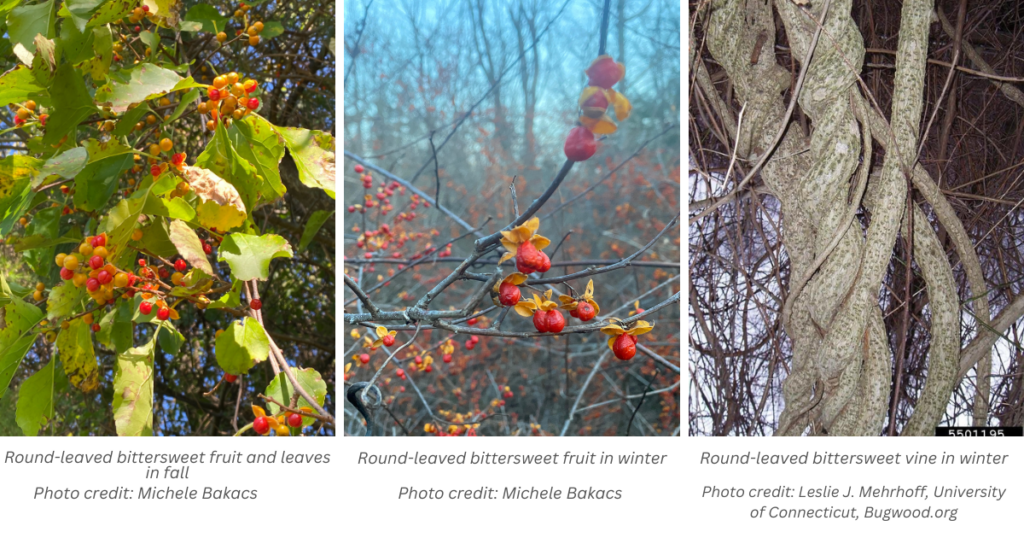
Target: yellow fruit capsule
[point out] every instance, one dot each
(60, 259)
(254, 40)
(40, 286)
(150, 119)
(258, 25)
(221, 37)
(79, 280)
(176, 278)
(232, 77)
(100, 251)
(220, 81)
(121, 280)
(211, 125)
(30, 104)
(165, 101)
(37, 296)
(154, 149)
(87, 318)
(137, 233)
(166, 144)
(71, 263)
(85, 249)
(23, 113)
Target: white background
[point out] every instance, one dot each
(345, 499)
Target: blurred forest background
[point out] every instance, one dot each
(412, 71)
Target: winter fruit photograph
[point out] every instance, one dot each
(511, 218)
(167, 198)
(856, 218)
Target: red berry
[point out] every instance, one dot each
(99, 241)
(230, 378)
(95, 262)
(253, 103)
(66, 274)
(624, 347)
(295, 420)
(351, 209)
(540, 321)
(364, 358)
(574, 313)
(207, 248)
(447, 357)
(163, 272)
(580, 144)
(470, 344)
(604, 72)
(145, 308)
(142, 262)
(92, 284)
(137, 29)
(180, 265)
(584, 311)
(261, 425)
(418, 359)
(528, 258)
(104, 277)
(155, 170)
(213, 94)
(163, 313)
(359, 169)
(545, 263)
(388, 340)
(428, 369)
(178, 159)
(474, 338)
(509, 294)
(555, 321)
(471, 321)
(255, 304)
(400, 372)
(145, 8)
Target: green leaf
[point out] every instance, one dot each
(46, 223)
(42, 241)
(186, 100)
(313, 225)
(109, 11)
(71, 103)
(249, 256)
(74, 347)
(76, 44)
(96, 184)
(169, 338)
(17, 318)
(64, 299)
(313, 152)
(189, 246)
(133, 391)
(103, 52)
(156, 239)
(243, 344)
(120, 222)
(220, 157)
(174, 208)
(26, 22)
(67, 164)
(272, 29)
(281, 389)
(164, 12)
(209, 17)
(256, 141)
(122, 333)
(150, 39)
(127, 122)
(231, 299)
(19, 174)
(147, 81)
(35, 400)
(18, 85)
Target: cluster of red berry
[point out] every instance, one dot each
(229, 99)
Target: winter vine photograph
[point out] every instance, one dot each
(512, 202)
(167, 186)
(856, 230)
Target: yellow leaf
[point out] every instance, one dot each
(600, 126)
(540, 241)
(524, 308)
(381, 331)
(221, 217)
(622, 105)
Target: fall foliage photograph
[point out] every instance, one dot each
(511, 208)
(167, 194)
(856, 240)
